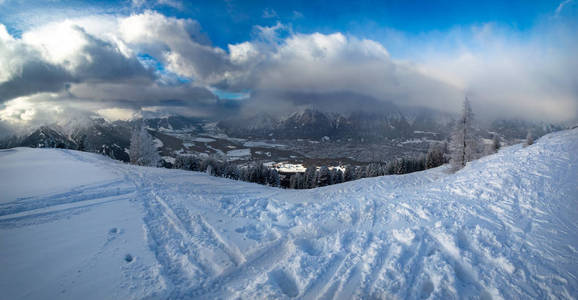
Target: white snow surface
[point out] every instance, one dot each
(81, 226)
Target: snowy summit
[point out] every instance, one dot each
(76, 225)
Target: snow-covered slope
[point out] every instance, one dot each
(80, 226)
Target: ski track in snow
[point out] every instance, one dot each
(503, 227)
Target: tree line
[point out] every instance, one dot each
(324, 176)
(313, 177)
(254, 172)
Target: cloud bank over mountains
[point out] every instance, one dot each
(124, 66)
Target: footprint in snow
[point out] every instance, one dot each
(128, 258)
(285, 281)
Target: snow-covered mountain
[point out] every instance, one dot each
(76, 225)
(310, 123)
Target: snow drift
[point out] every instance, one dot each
(75, 225)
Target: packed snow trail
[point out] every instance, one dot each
(503, 227)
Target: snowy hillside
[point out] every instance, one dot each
(75, 225)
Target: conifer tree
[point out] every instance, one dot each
(143, 151)
(463, 144)
(496, 143)
(435, 156)
(324, 176)
(349, 174)
(529, 139)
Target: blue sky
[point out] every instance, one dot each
(233, 21)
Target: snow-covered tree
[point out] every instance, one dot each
(529, 139)
(231, 171)
(293, 181)
(496, 144)
(310, 178)
(143, 151)
(324, 176)
(463, 144)
(300, 181)
(360, 172)
(82, 143)
(187, 162)
(435, 155)
(338, 176)
(273, 179)
(349, 174)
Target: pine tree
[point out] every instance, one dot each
(493, 147)
(324, 176)
(435, 156)
(143, 151)
(300, 181)
(310, 180)
(293, 181)
(349, 174)
(496, 143)
(231, 171)
(463, 144)
(360, 172)
(82, 143)
(273, 178)
(529, 139)
(338, 177)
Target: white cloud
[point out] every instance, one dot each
(179, 43)
(92, 62)
(242, 53)
(115, 114)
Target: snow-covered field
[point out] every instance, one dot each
(80, 226)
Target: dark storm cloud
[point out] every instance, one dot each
(35, 76)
